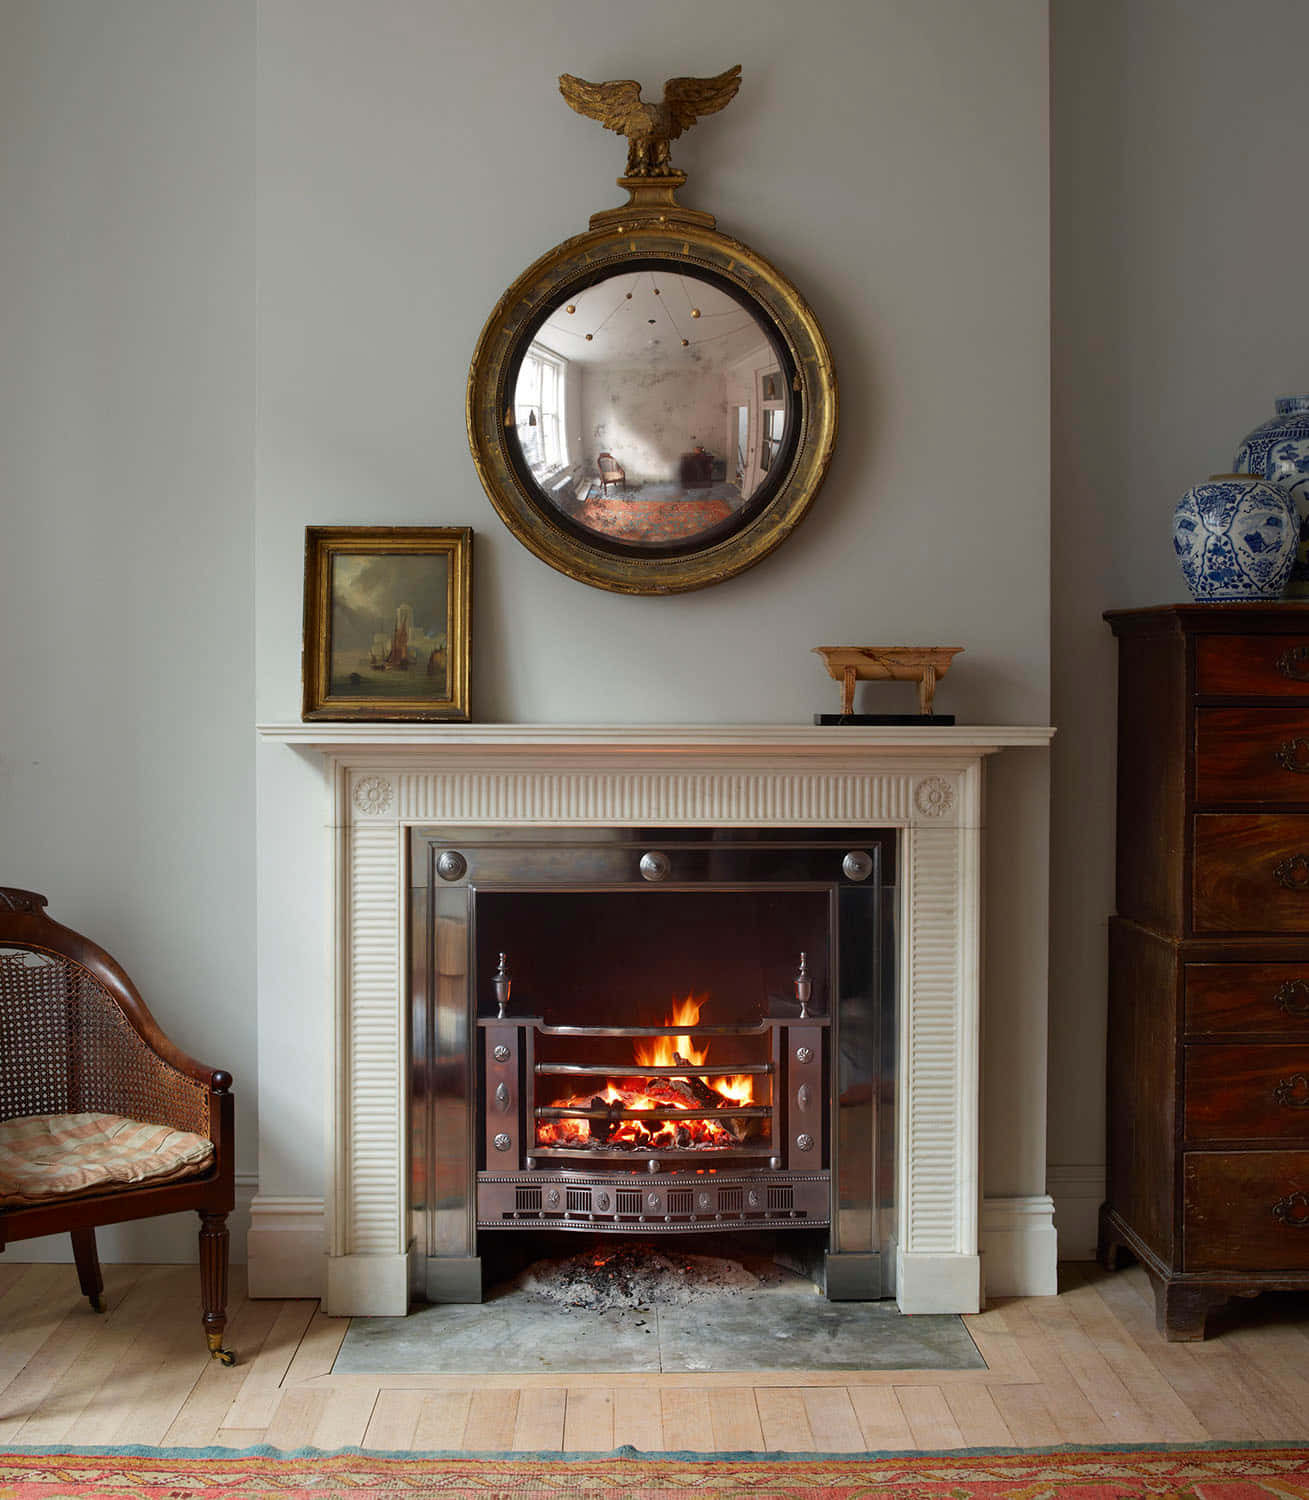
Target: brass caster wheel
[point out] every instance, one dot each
(97, 1306)
(216, 1350)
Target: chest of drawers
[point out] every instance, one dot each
(1208, 1062)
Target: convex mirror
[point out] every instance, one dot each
(651, 406)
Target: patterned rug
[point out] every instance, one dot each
(650, 520)
(1195, 1472)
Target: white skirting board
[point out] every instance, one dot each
(1078, 1192)
(286, 1247)
(286, 1259)
(171, 1239)
(1019, 1247)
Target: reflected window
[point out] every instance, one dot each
(772, 419)
(539, 410)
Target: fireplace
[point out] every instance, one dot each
(399, 1176)
(653, 1032)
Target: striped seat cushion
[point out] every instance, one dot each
(61, 1156)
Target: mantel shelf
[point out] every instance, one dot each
(658, 739)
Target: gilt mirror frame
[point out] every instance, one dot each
(652, 232)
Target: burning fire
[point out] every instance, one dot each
(692, 1097)
(667, 1051)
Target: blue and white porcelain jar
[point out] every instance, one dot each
(1236, 538)
(1279, 450)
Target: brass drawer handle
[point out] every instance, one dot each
(1293, 1210)
(1293, 998)
(1292, 873)
(1294, 663)
(1293, 755)
(1293, 1092)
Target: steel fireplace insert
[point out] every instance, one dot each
(652, 1032)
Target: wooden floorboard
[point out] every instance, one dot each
(394, 1422)
(1085, 1367)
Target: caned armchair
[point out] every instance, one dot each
(611, 472)
(102, 1118)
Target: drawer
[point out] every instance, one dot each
(1247, 999)
(1251, 872)
(1252, 755)
(1247, 1093)
(1246, 1211)
(1275, 666)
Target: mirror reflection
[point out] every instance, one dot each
(651, 408)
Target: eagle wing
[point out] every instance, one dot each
(689, 98)
(611, 103)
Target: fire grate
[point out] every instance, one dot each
(666, 1112)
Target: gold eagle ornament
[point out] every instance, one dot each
(650, 127)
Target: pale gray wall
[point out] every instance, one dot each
(1179, 232)
(126, 484)
(412, 159)
(892, 159)
(889, 157)
(651, 418)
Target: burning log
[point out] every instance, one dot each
(601, 1130)
(676, 1091)
(700, 1090)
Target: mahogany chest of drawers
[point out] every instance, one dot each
(1208, 1065)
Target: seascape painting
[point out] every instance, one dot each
(390, 622)
(387, 615)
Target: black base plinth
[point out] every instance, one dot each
(883, 718)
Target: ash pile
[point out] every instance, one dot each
(635, 1276)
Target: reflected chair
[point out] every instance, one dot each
(102, 1118)
(611, 472)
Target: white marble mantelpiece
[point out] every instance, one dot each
(926, 782)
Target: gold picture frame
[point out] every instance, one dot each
(387, 614)
(667, 246)
(658, 358)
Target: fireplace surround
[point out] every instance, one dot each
(921, 787)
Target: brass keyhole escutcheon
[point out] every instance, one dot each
(1293, 1210)
(1292, 873)
(1292, 998)
(1293, 1092)
(1294, 663)
(1293, 755)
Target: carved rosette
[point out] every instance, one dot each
(373, 795)
(934, 796)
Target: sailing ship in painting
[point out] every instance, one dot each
(390, 624)
(394, 653)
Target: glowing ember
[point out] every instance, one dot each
(690, 1100)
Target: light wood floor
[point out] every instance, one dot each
(1083, 1367)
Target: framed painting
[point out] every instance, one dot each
(387, 611)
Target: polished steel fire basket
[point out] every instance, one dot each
(652, 1032)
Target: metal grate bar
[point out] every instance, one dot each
(639, 1070)
(672, 1114)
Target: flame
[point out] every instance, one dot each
(738, 1089)
(663, 1051)
(682, 1126)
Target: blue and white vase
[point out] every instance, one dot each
(1236, 538)
(1279, 450)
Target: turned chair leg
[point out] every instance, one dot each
(88, 1267)
(213, 1283)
